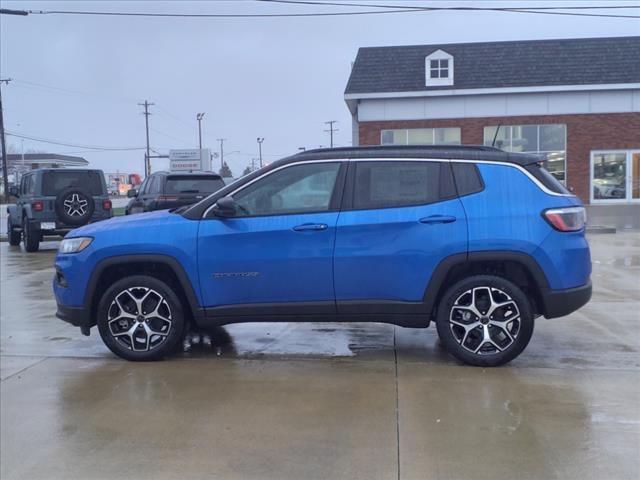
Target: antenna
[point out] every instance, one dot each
(493, 144)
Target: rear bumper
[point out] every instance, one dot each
(558, 303)
(76, 316)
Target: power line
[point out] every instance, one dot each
(531, 10)
(422, 7)
(389, 9)
(74, 145)
(169, 136)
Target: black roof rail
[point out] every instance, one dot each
(453, 152)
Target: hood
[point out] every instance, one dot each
(140, 220)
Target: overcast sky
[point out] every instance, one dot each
(277, 78)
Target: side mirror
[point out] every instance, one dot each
(225, 207)
(14, 191)
(132, 193)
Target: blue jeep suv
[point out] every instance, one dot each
(478, 240)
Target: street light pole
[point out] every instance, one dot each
(260, 140)
(221, 140)
(199, 117)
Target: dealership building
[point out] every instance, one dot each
(577, 101)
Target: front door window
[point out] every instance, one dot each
(298, 189)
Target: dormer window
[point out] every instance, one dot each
(438, 69)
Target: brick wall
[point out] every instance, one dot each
(584, 133)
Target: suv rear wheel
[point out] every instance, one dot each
(14, 237)
(30, 236)
(140, 318)
(485, 320)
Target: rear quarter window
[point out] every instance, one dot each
(548, 180)
(54, 182)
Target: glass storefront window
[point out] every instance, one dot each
(549, 140)
(635, 175)
(421, 136)
(552, 137)
(502, 140)
(615, 176)
(446, 136)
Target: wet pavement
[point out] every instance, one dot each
(279, 401)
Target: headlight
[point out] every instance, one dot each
(74, 245)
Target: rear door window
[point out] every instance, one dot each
(54, 182)
(468, 179)
(206, 184)
(384, 184)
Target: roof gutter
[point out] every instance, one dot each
(489, 91)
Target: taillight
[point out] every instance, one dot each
(37, 206)
(106, 204)
(569, 219)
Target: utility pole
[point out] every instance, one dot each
(331, 129)
(199, 117)
(5, 168)
(253, 164)
(221, 140)
(147, 163)
(260, 140)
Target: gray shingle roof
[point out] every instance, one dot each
(583, 61)
(67, 160)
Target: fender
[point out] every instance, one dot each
(171, 262)
(444, 267)
(14, 214)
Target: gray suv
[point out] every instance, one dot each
(53, 201)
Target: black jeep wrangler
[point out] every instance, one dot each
(53, 201)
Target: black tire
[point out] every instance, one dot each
(30, 236)
(110, 323)
(14, 237)
(464, 334)
(74, 206)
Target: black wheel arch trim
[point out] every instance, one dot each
(434, 288)
(167, 260)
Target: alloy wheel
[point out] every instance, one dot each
(485, 320)
(139, 318)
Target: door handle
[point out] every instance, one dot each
(433, 219)
(310, 227)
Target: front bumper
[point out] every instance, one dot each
(76, 316)
(558, 303)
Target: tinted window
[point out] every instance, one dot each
(396, 184)
(143, 186)
(468, 179)
(193, 184)
(295, 189)
(154, 184)
(54, 182)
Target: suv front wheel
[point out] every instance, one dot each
(485, 320)
(140, 318)
(14, 237)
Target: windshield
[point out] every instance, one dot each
(54, 182)
(193, 184)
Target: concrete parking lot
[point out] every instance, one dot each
(323, 401)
